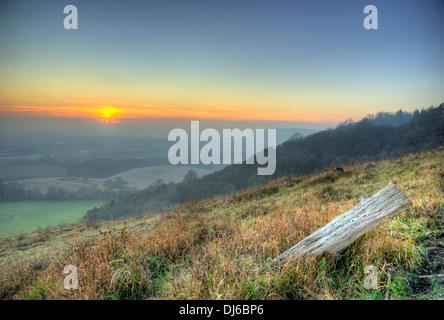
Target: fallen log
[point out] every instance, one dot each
(346, 228)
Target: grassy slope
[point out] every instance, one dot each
(219, 249)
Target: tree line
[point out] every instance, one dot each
(14, 191)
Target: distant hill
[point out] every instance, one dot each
(376, 137)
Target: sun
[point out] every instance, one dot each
(108, 112)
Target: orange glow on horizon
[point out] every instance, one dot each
(110, 114)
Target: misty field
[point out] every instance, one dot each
(26, 216)
(10, 173)
(139, 178)
(144, 177)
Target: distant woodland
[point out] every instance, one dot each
(375, 137)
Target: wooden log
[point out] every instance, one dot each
(346, 228)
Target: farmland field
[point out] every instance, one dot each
(26, 216)
(70, 184)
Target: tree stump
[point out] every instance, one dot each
(346, 228)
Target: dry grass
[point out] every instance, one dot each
(220, 248)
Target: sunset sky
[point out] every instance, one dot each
(245, 60)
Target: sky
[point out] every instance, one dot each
(308, 63)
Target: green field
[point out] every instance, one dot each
(26, 216)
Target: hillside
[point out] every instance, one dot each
(376, 137)
(220, 248)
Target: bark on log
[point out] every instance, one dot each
(346, 228)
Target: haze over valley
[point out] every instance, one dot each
(74, 166)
